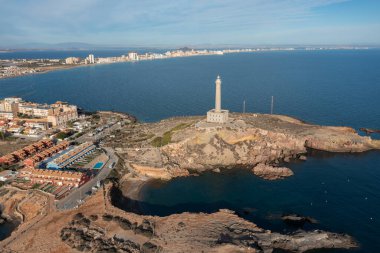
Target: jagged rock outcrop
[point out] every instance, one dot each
(216, 230)
(190, 232)
(297, 220)
(97, 226)
(83, 235)
(92, 239)
(271, 173)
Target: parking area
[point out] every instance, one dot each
(86, 161)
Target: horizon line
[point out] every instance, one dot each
(86, 46)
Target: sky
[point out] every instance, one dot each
(190, 22)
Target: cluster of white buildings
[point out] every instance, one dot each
(17, 115)
(134, 56)
(90, 59)
(72, 60)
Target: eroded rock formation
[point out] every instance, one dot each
(271, 173)
(189, 232)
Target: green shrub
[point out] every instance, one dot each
(156, 142)
(35, 186)
(167, 136)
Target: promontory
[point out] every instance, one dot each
(176, 147)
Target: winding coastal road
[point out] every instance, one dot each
(77, 196)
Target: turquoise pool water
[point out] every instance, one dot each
(99, 165)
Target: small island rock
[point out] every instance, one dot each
(271, 173)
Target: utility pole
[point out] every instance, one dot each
(244, 106)
(271, 105)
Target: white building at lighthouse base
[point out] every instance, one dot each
(217, 117)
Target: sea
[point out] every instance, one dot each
(330, 87)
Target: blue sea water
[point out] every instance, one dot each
(6, 228)
(323, 87)
(341, 191)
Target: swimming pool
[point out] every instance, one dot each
(98, 165)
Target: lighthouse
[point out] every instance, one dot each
(217, 115)
(218, 94)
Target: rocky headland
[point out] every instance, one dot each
(260, 142)
(182, 147)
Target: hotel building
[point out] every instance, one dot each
(72, 60)
(133, 56)
(56, 115)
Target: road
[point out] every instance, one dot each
(100, 135)
(78, 195)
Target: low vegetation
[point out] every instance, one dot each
(64, 135)
(27, 116)
(6, 136)
(166, 138)
(35, 186)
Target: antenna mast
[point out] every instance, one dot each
(271, 105)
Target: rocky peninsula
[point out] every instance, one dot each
(177, 147)
(182, 146)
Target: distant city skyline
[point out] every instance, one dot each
(160, 23)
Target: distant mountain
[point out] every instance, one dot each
(57, 46)
(74, 45)
(78, 46)
(89, 46)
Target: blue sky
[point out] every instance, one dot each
(190, 22)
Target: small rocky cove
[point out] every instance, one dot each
(10, 218)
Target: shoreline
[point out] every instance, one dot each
(131, 188)
(58, 68)
(290, 141)
(63, 67)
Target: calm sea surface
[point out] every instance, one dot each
(326, 87)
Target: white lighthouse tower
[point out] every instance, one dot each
(218, 115)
